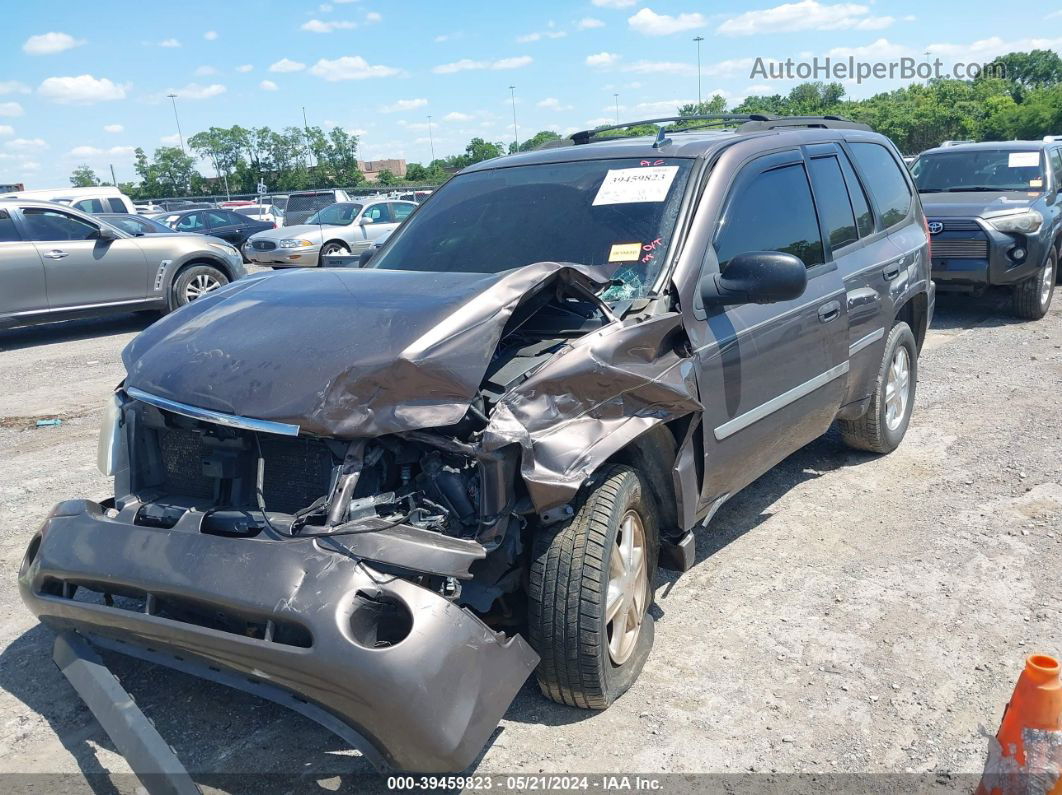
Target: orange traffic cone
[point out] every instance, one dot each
(1026, 755)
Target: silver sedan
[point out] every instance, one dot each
(342, 228)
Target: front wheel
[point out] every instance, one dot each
(194, 282)
(334, 248)
(590, 592)
(883, 426)
(1032, 298)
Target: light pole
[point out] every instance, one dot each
(616, 97)
(698, 39)
(180, 135)
(516, 137)
(431, 141)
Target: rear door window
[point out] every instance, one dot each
(885, 181)
(753, 222)
(117, 206)
(831, 197)
(858, 195)
(8, 232)
(218, 218)
(91, 206)
(378, 213)
(193, 222)
(401, 210)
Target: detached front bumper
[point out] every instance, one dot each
(421, 681)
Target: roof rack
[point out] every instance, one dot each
(749, 122)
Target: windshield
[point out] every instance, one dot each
(336, 215)
(618, 215)
(979, 170)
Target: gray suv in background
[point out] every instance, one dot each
(57, 262)
(385, 495)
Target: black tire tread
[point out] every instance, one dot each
(565, 605)
(868, 432)
(1025, 298)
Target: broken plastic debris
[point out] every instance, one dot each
(48, 423)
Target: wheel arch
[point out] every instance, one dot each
(199, 259)
(915, 313)
(339, 241)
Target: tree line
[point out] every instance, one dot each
(1025, 104)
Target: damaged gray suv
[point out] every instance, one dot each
(384, 496)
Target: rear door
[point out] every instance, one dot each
(867, 258)
(223, 224)
(80, 269)
(772, 376)
(22, 289)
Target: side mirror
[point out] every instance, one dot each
(757, 277)
(365, 221)
(365, 256)
(106, 233)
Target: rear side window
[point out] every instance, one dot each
(117, 206)
(864, 217)
(754, 222)
(831, 196)
(401, 210)
(91, 206)
(884, 180)
(8, 233)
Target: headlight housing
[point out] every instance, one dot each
(1026, 222)
(231, 251)
(291, 243)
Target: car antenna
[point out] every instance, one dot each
(661, 138)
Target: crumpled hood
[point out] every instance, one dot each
(339, 352)
(975, 204)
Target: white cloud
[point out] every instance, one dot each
(373, 17)
(198, 91)
(403, 105)
(552, 103)
(467, 64)
(169, 43)
(210, 35)
(10, 109)
(650, 23)
(456, 116)
(30, 165)
(1054, 15)
(549, 34)
(317, 26)
(287, 65)
(661, 68)
(667, 107)
(613, 3)
(205, 71)
(987, 49)
(882, 48)
(267, 85)
(586, 23)
(50, 43)
(602, 59)
(350, 67)
(92, 151)
(81, 90)
(170, 140)
(245, 68)
(26, 144)
(804, 15)
(13, 87)
(6, 130)
(113, 128)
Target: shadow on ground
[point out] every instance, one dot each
(74, 330)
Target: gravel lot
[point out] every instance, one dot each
(847, 613)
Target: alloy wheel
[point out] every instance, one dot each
(200, 285)
(897, 388)
(1047, 283)
(627, 597)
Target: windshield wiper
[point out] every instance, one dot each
(975, 189)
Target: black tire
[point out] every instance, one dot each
(568, 591)
(873, 431)
(179, 291)
(1029, 301)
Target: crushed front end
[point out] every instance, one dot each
(331, 571)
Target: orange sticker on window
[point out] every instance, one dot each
(624, 252)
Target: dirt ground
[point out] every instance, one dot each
(847, 613)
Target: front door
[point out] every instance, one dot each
(771, 376)
(80, 269)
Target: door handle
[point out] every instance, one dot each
(829, 311)
(892, 270)
(56, 254)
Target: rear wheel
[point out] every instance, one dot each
(1032, 298)
(590, 592)
(883, 426)
(194, 282)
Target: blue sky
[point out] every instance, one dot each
(87, 82)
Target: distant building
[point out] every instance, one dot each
(372, 168)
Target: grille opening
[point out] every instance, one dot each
(182, 610)
(379, 620)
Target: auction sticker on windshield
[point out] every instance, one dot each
(624, 252)
(1023, 159)
(630, 185)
